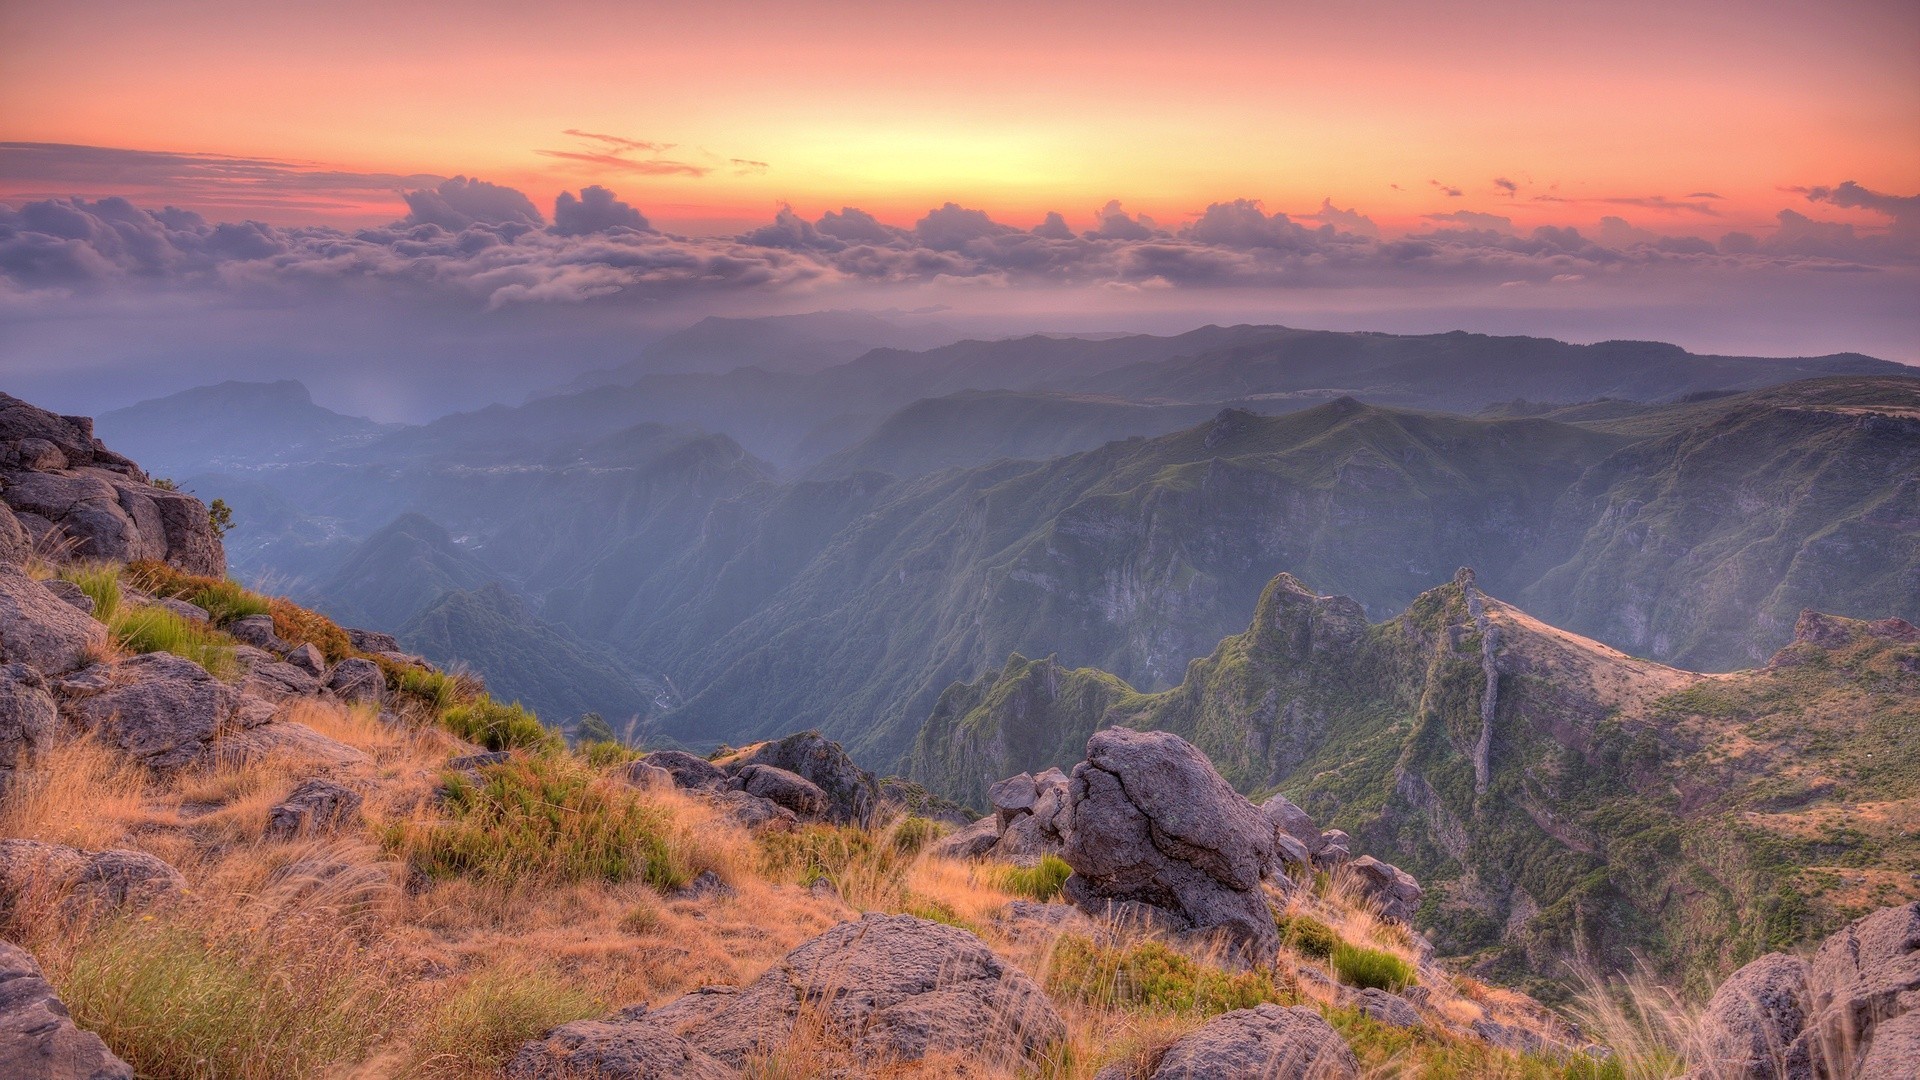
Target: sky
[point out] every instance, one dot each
(196, 178)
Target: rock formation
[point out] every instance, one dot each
(38, 1039)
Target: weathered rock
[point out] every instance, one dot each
(1388, 1009)
(165, 711)
(28, 718)
(891, 987)
(704, 884)
(1291, 853)
(754, 812)
(257, 631)
(83, 883)
(971, 842)
(71, 595)
(1392, 889)
(852, 792)
(1752, 1020)
(1151, 822)
(357, 680)
(1031, 918)
(1294, 822)
(307, 658)
(276, 681)
(1012, 797)
(15, 544)
(38, 1038)
(1027, 841)
(372, 641)
(796, 793)
(1267, 1042)
(689, 771)
(1862, 978)
(648, 777)
(1894, 1053)
(1336, 849)
(315, 806)
(1508, 1036)
(40, 630)
(627, 1047)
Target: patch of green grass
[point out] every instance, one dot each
(296, 624)
(603, 754)
(1041, 881)
(1359, 966)
(937, 911)
(545, 819)
(227, 601)
(1308, 935)
(1387, 1050)
(476, 1030)
(500, 727)
(153, 629)
(1151, 976)
(100, 583)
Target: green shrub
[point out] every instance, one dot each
(437, 691)
(476, 1030)
(500, 727)
(546, 819)
(1308, 936)
(100, 583)
(299, 626)
(153, 629)
(1041, 881)
(1363, 967)
(602, 754)
(1151, 976)
(912, 835)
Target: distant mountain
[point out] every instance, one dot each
(398, 572)
(1557, 797)
(777, 343)
(213, 428)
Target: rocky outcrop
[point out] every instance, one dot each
(316, 806)
(69, 494)
(782, 788)
(358, 681)
(1294, 822)
(1752, 1021)
(38, 1038)
(852, 793)
(1387, 887)
(887, 988)
(1150, 822)
(28, 718)
(689, 771)
(40, 630)
(166, 711)
(82, 883)
(1270, 1042)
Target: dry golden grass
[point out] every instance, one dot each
(78, 793)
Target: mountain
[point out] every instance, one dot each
(398, 572)
(783, 343)
(1557, 797)
(210, 428)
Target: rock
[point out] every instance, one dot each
(1294, 822)
(689, 771)
(257, 631)
(1291, 853)
(1508, 1037)
(1032, 918)
(307, 658)
(28, 718)
(275, 681)
(1752, 1020)
(38, 1039)
(1392, 889)
(83, 883)
(41, 631)
(1336, 849)
(372, 641)
(165, 711)
(1387, 1008)
(1267, 1042)
(754, 812)
(1895, 1050)
(626, 1048)
(71, 595)
(1012, 797)
(796, 793)
(189, 612)
(705, 884)
(15, 544)
(1863, 978)
(1027, 841)
(315, 806)
(357, 680)
(468, 762)
(1151, 822)
(971, 842)
(852, 793)
(289, 741)
(648, 777)
(891, 988)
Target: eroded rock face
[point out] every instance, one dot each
(28, 718)
(972, 842)
(1752, 1020)
(1151, 822)
(166, 711)
(1267, 1041)
(83, 883)
(357, 680)
(40, 630)
(1294, 822)
(782, 788)
(852, 792)
(890, 987)
(38, 1039)
(688, 770)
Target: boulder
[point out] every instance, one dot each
(1389, 1009)
(648, 777)
(1752, 1021)
(285, 740)
(15, 544)
(28, 718)
(38, 1038)
(1391, 889)
(277, 681)
(1012, 797)
(372, 641)
(315, 806)
(307, 658)
(689, 771)
(1294, 822)
(1863, 978)
(83, 883)
(258, 631)
(1336, 850)
(1268, 1042)
(1151, 822)
(357, 680)
(71, 595)
(754, 812)
(891, 988)
(852, 792)
(796, 793)
(40, 630)
(971, 842)
(165, 711)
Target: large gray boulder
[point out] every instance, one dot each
(1294, 822)
(258, 631)
(1863, 979)
(38, 1038)
(1391, 889)
(1151, 822)
(689, 771)
(15, 544)
(1752, 1021)
(1012, 797)
(358, 680)
(317, 805)
(1266, 1042)
(852, 792)
(28, 719)
(165, 711)
(890, 988)
(83, 883)
(782, 788)
(40, 630)
(971, 842)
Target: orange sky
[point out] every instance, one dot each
(896, 107)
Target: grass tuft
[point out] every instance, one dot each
(1042, 881)
(101, 583)
(1308, 936)
(1151, 976)
(500, 727)
(475, 1031)
(1363, 967)
(154, 629)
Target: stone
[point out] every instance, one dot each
(648, 777)
(1268, 1042)
(1012, 797)
(357, 680)
(754, 812)
(38, 1038)
(1752, 1020)
(1150, 821)
(1894, 1052)
(689, 771)
(71, 595)
(165, 711)
(628, 1048)
(1027, 841)
(971, 842)
(1862, 978)
(1336, 850)
(1294, 822)
(83, 883)
(372, 641)
(1389, 1009)
(308, 658)
(286, 740)
(40, 630)
(795, 793)
(15, 544)
(29, 720)
(316, 806)
(277, 681)
(257, 631)
(1391, 889)
(852, 792)
(704, 884)
(467, 762)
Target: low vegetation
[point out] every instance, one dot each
(495, 726)
(1152, 976)
(1362, 967)
(155, 629)
(1041, 881)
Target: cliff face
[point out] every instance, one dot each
(67, 496)
(1556, 795)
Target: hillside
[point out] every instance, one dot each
(210, 428)
(1555, 796)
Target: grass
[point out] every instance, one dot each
(222, 599)
(101, 583)
(1308, 936)
(473, 1032)
(1041, 881)
(1151, 976)
(867, 867)
(153, 629)
(544, 820)
(488, 723)
(1359, 966)
(300, 626)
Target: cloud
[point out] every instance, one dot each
(1352, 221)
(1473, 219)
(617, 142)
(617, 152)
(460, 202)
(1111, 222)
(1448, 190)
(1053, 227)
(596, 210)
(1902, 210)
(1506, 185)
(953, 227)
(32, 171)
